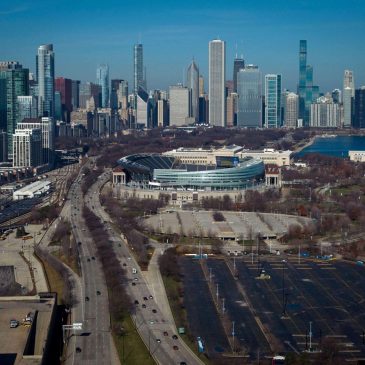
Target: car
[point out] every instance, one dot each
(87, 299)
(98, 292)
(165, 333)
(143, 305)
(136, 302)
(174, 337)
(183, 363)
(175, 347)
(158, 340)
(145, 298)
(124, 264)
(152, 322)
(79, 243)
(151, 297)
(135, 279)
(154, 311)
(88, 260)
(78, 350)
(133, 283)
(93, 257)
(14, 323)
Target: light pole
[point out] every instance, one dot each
(223, 305)
(233, 334)
(217, 293)
(283, 313)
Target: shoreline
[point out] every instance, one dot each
(307, 144)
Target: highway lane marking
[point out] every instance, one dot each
(328, 268)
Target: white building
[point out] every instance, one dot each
(217, 83)
(325, 114)
(180, 105)
(270, 156)
(291, 110)
(46, 125)
(27, 147)
(162, 113)
(32, 190)
(357, 156)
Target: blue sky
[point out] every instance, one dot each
(267, 33)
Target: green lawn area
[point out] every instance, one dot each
(134, 351)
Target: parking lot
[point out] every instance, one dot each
(299, 306)
(236, 225)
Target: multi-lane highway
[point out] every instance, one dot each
(154, 326)
(95, 344)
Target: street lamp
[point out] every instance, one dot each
(283, 312)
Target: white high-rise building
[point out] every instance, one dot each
(102, 79)
(217, 81)
(325, 113)
(46, 126)
(272, 101)
(291, 110)
(348, 95)
(45, 78)
(349, 81)
(180, 105)
(27, 148)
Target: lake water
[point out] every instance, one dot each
(338, 146)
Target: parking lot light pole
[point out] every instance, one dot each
(283, 289)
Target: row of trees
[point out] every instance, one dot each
(119, 301)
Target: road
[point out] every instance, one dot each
(151, 326)
(96, 343)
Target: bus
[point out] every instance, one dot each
(278, 360)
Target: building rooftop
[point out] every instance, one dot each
(34, 187)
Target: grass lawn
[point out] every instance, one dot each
(134, 351)
(54, 280)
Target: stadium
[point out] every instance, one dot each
(162, 172)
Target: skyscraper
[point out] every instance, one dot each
(75, 101)
(115, 84)
(272, 101)
(26, 108)
(349, 81)
(238, 64)
(15, 82)
(64, 87)
(102, 79)
(325, 113)
(306, 90)
(217, 82)
(249, 110)
(45, 78)
(291, 110)
(180, 106)
(359, 115)
(192, 82)
(201, 85)
(139, 81)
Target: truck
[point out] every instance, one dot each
(134, 271)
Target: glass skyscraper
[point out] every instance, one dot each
(217, 82)
(45, 78)
(138, 68)
(272, 101)
(249, 108)
(15, 82)
(238, 63)
(102, 79)
(192, 82)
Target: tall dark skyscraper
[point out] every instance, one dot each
(102, 79)
(192, 82)
(238, 63)
(115, 84)
(14, 82)
(302, 77)
(359, 117)
(306, 90)
(139, 81)
(45, 79)
(64, 87)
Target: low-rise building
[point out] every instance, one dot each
(270, 156)
(32, 190)
(357, 156)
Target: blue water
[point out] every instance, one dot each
(335, 146)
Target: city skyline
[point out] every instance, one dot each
(178, 34)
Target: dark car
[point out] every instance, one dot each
(133, 284)
(154, 311)
(143, 305)
(78, 349)
(183, 363)
(88, 260)
(87, 299)
(136, 302)
(165, 333)
(93, 257)
(98, 292)
(124, 264)
(145, 298)
(79, 243)
(175, 347)
(174, 337)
